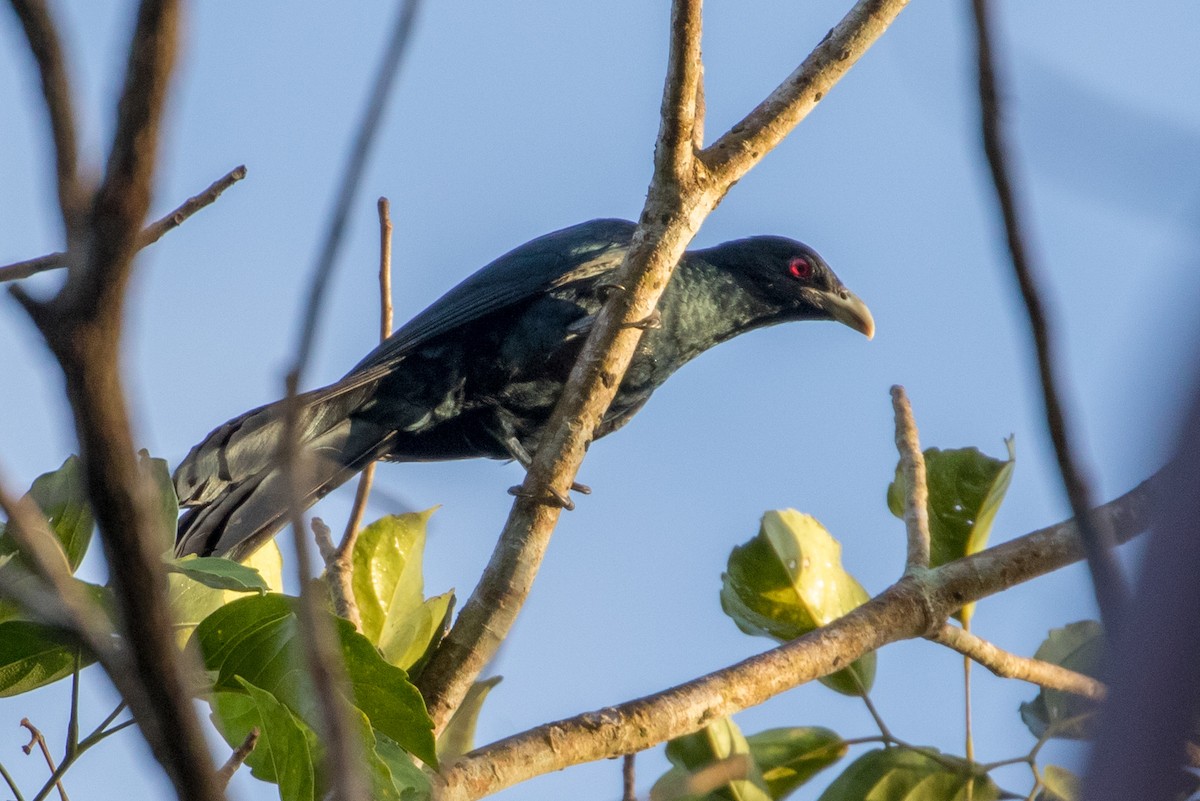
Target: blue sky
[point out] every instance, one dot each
(514, 119)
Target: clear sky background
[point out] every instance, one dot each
(512, 119)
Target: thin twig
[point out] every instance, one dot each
(1111, 593)
(46, 47)
(12, 783)
(149, 235)
(344, 756)
(629, 778)
(239, 755)
(1008, 665)
(35, 737)
(681, 194)
(901, 612)
(916, 491)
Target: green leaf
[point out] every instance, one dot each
(62, 497)
(1059, 784)
(389, 587)
(33, 655)
(788, 581)
(693, 753)
(191, 601)
(157, 475)
(966, 488)
(219, 573)
(394, 775)
(1054, 713)
(459, 735)
(789, 757)
(256, 638)
(903, 774)
(287, 751)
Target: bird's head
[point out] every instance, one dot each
(792, 277)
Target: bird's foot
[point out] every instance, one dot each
(651, 321)
(603, 291)
(552, 498)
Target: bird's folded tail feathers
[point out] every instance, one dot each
(235, 482)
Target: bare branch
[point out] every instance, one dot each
(352, 177)
(680, 196)
(36, 738)
(1106, 573)
(44, 43)
(1008, 665)
(82, 326)
(732, 156)
(149, 235)
(629, 778)
(239, 756)
(901, 612)
(916, 491)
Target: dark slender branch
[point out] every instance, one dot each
(916, 491)
(352, 177)
(681, 194)
(46, 46)
(36, 738)
(1106, 573)
(82, 325)
(1008, 665)
(149, 235)
(12, 784)
(629, 778)
(903, 611)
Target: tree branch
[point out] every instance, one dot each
(916, 491)
(82, 326)
(1008, 665)
(46, 46)
(149, 235)
(901, 612)
(682, 192)
(1109, 584)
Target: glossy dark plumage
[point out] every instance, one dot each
(478, 372)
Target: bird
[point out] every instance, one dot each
(479, 371)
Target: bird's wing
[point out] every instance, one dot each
(552, 260)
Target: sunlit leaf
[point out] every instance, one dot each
(966, 488)
(459, 735)
(903, 774)
(219, 573)
(1054, 713)
(191, 601)
(287, 752)
(789, 580)
(789, 757)
(387, 571)
(256, 638)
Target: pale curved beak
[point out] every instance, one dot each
(848, 309)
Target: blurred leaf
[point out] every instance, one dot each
(459, 735)
(219, 573)
(62, 497)
(789, 757)
(166, 505)
(1059, 784)
(789, 580)
(966, 488)
(1054, 713)
(287, 750)
(33, 655)
(256, 638)
(902, 774)
(693, 755)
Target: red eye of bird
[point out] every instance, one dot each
(800, 267)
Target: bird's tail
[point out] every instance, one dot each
(233, 484)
